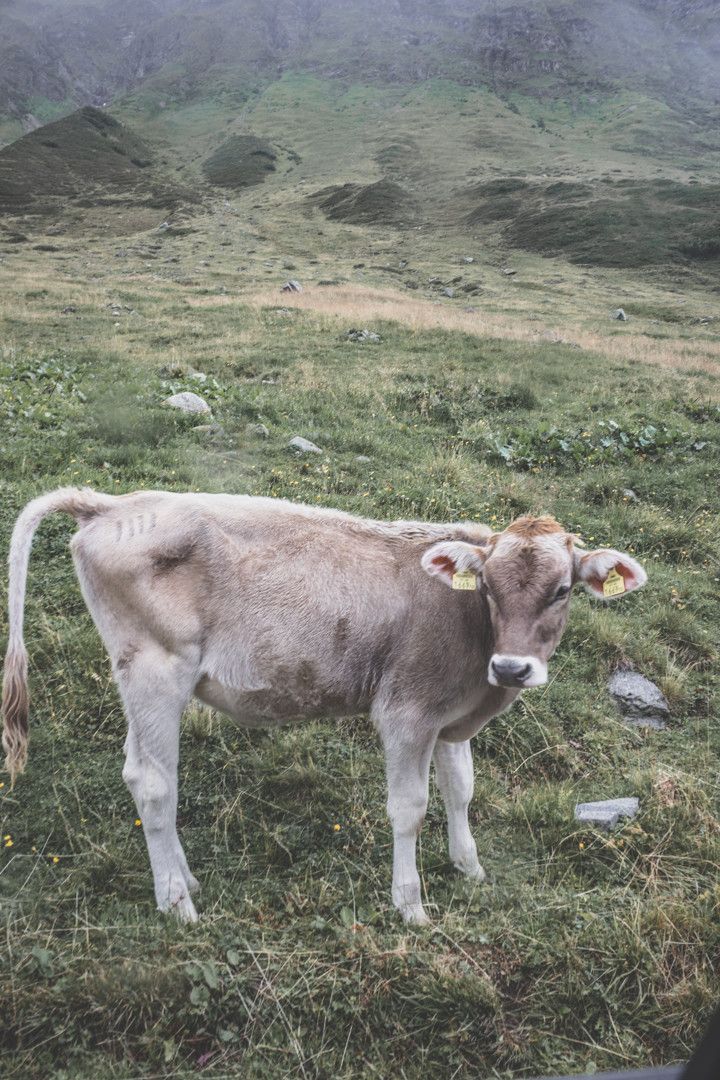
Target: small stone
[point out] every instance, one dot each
(619, 314)
(449, 293)
(259, 430)
(303, 445)
(362, 458)
(198, 376)
(292, 286)
(363, 335)
(640, 701)
(208, 429)
(187, 402)
(508, 272)
(630, 495)
(607, 813)
(468, 259)
(69, 310)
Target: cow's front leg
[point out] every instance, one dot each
(454, 776)
(407, 760)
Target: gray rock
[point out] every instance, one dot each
(363, 335)
(363, 458)
(259, 430)
(630, 495)
(607, 813)
(303, 445)
(208, 429)
(187, 402)
(619, 314)
(640, 701)
(508, 272)
(468, 259)
(69, 310)
(449, 293)
(292, 286)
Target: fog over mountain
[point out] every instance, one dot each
(57, 56)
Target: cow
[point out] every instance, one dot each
(275, 612)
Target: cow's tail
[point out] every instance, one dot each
(82, 504)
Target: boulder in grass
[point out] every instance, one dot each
(640, 701)
(187, 402)
(303, 446)
(606, 813)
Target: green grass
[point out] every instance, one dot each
(584, 950)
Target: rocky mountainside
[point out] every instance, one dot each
(59, 55)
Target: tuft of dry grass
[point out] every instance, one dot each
(360, 304)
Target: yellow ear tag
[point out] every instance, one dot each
(614, 584)
(464, 579)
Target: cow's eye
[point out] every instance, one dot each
(562, 592)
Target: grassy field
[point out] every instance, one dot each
(585, 950)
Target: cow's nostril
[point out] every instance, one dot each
(524, 672)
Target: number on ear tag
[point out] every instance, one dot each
(464, 579)
(614, 584)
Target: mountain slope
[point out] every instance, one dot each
(89, 159)
(72, 53)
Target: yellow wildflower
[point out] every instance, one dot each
(138, 822)
(336, 827)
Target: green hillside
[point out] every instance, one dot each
(83, 161)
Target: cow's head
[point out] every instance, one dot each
(527, 573)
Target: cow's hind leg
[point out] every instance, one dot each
(155, 688)
(454, 777)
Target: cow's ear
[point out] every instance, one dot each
(607, 574)
(457, 563)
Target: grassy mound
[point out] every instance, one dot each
(85, 154)
(240, 162)
(626, 223)
(381, 203)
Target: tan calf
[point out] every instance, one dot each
(274, 612)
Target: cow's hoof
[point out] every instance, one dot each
(414, 915)
(182, 908)
(193, 885)
(472, 871)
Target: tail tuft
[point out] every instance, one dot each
(15, 711)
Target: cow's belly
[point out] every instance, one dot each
(270, 706)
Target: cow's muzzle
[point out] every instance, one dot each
(516, 671)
